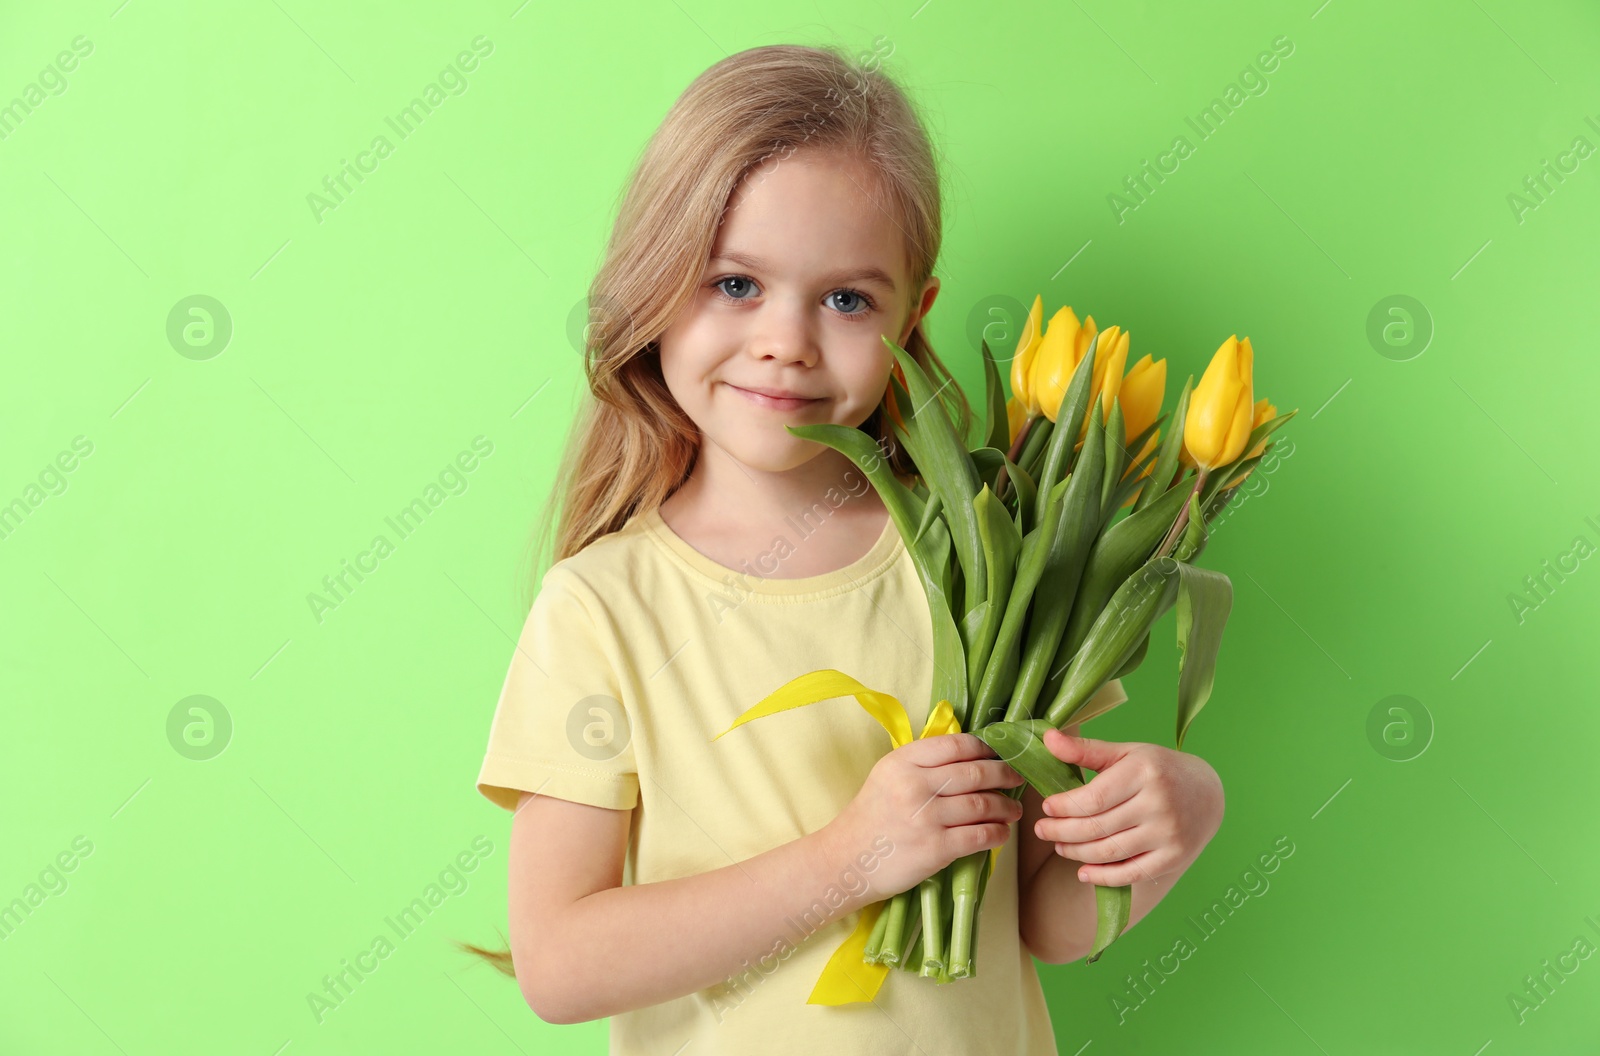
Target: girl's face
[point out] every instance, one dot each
(805, 279)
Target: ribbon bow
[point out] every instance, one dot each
(847, 978)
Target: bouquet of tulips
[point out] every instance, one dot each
(1037, 598)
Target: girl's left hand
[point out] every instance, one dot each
(1147, 811)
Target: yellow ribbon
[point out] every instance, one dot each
(847, 978)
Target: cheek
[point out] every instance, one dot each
(685, 351)
(868, 385)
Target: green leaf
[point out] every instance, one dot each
(995, 398)
(1002, 545)
(1021, 745)
(1034, 444)
(1116, 459)
(1161, 477)
(1113, 907)
(1070, 544)
(1221, 478)
(1132, 476)
(971, 628)
(988, 461)
(1237, 469)
(1069, 421)
(1194, 532)
(944, 463)
(1204, 599)
(930, 513)
(905, 506)
(1137, 443)
(1114, 635)
(1117, 554)
(949, 647)
(930, 553)
(1132, 663)
(1026, 492)
(1001, 669)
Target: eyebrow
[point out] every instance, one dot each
(866, 273)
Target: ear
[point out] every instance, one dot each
(930, 291)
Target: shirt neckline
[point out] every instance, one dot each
(870, 565)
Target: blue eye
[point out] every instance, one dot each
(865, 301)
(732, 278)
(856, 302)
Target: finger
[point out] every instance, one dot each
(1147, 866)
(1114, 848)
(1094, 827)
(976, 808)
(973, 775)
(1085, 751)
(1102, 792)
(948, 748)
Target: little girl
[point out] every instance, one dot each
(782, 221)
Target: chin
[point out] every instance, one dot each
(770, 460)
(771, 454)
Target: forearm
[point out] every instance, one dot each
(628, 947)
(1061, 908)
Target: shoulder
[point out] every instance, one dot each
(610, 568)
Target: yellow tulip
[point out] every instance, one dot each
(1022, 362)
(1048, 356)
(1142, 391)
(1110, 356)
(1058, 355)
(1265, 412)
(1016, 415)
(1219, 419)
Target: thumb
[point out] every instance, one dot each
(1084, 751)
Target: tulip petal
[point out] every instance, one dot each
(1143, 389)
(1023, 359)
(1054, 361)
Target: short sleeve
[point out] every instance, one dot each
(560, 728)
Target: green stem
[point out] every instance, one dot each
(1183, 517)
(913, 956)
(966, 886)
(895, 931)
(1016, 449)
(872, 954)
(933, 922)
(983, 887)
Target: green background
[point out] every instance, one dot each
(368, 348)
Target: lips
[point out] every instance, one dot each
(774, 399)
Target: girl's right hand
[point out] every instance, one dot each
(931, 802)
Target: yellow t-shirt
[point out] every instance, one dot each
(636, 653)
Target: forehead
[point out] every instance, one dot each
(813, 215)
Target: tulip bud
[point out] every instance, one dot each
(1110, 356)
(1220, 408)
(1142, 391)
(1265, 412)
(1057, 357)
(1022, 362)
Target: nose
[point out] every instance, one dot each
(784, 332)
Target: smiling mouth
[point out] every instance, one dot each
(776, 403)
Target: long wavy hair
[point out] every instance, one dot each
(631, 445)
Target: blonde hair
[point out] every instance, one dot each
(631, 445)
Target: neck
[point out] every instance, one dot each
(721, 488)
